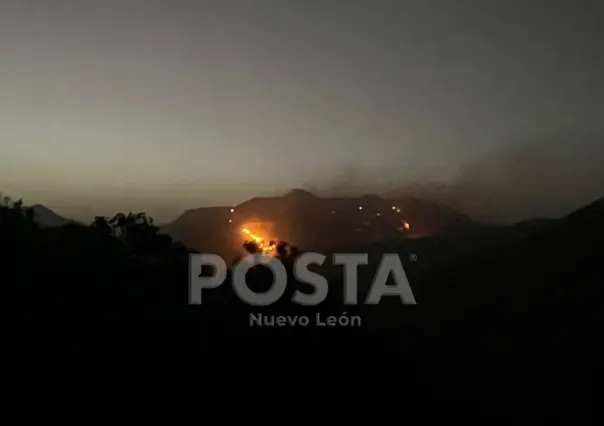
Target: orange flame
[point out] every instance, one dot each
(266, 248)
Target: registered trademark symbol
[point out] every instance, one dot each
(413, 257)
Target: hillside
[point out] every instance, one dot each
(47, 218)
(187, 229)
(308, 220)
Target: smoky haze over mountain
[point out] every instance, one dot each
(546, 178)
(162, 106)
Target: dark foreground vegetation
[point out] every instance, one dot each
(507, 328)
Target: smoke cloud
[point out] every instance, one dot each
(548, 178)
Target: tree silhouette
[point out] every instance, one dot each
(101, 224)
(251, 247)
(118, 223)
(5, 200)
(29, 216)
(15, 215)
(283, 250)
(137, 232)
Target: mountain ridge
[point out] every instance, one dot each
(47, 218)
(302, 217)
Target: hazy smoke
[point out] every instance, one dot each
(542, 179)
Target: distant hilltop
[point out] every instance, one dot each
(306, 219)
(46, 218)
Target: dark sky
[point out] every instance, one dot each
(160, 105)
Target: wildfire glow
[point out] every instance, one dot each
(266, 247)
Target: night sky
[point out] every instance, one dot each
(159, 106)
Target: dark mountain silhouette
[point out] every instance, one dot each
(47, 218)
(588, 219)
(203, 229)
(300, 194)
(311, 221)
(431, 218)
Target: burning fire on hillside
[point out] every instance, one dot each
(263, 235)
(267, 247)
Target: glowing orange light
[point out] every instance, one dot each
(263, 245)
